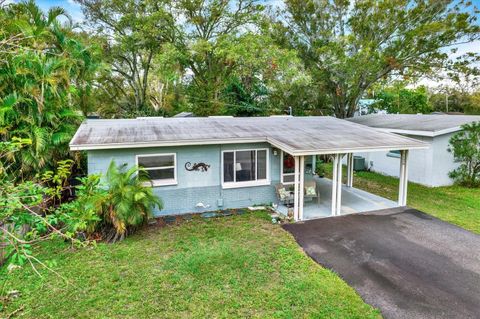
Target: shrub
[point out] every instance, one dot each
(465, 146)
(128, 202)
(83, 214)
(32, 212)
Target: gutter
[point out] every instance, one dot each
(273, 142)
(421, 133)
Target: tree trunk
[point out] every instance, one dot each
(344, 106)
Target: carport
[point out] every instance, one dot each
(354, 200)
(339, 140)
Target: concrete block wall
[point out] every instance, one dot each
(195, 187)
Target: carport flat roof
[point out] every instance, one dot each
(295, 135)
(416, 124)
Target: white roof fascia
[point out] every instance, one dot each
(356, 150)
(421, 133)
(273, 142)
(287, 149)
(92, 147)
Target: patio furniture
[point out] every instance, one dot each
(284, 196)
(311, 191)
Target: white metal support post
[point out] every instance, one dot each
(295, 189)
(334, 184)
(349, 169)
(314, 164)
(402, 192)
(338, 205)
(301, 188)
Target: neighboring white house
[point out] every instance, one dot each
(429, 166)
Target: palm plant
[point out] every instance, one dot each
(37, 85)
(128, 202)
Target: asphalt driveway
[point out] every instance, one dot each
(402, 261)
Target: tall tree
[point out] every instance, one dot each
(208, 29)
(348, 46)
(225, 52)
(172, 55)
(133, 31)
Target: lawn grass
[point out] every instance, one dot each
(239, 266)
(454, 204)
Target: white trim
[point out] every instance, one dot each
(349, 170)
(235, 184)
(337, 185)
(293, 152)
(296, 190)
(334, 185)
(403, 186)
(338, 205)
(421, 133)
(314, 164)
(92, 147)
(230, 185)
(161, 182)
(273, 142)
(301, 191)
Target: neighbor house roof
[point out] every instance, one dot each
(184, 114)
(416, 124)
(295, 135)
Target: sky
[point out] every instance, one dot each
(75, 12)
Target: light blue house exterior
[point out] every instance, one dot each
(197, 187)
(206, 164)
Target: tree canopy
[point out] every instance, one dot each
(398, 99)
(349, 46)
(46, 77)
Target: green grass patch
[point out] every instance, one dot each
(238, 266)
(454, 204)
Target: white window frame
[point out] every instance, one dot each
(161, 182)
(282, 175)
(256, 182)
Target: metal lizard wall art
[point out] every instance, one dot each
(202, 167)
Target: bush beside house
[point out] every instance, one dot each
(465, 146)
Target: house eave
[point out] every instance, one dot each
(355, 150)
(273, 142)
(105, 146)
(422, 133)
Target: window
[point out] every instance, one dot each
(159, 168)
(394, 154)
(245, 168)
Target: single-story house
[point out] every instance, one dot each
(427, 166)
(199, 164)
